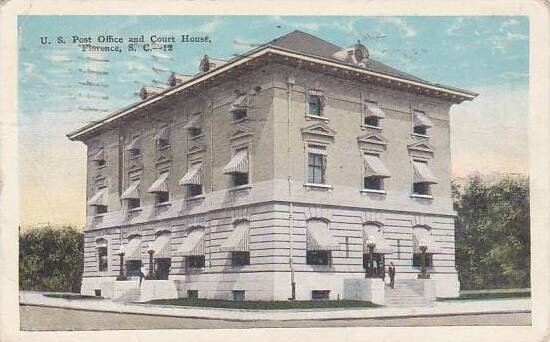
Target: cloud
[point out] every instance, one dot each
(513, 75)
(516, 36)
(508, 23)
(347, 26)
(401, 25)
(311, 26)
(455, 27)
(210, 26)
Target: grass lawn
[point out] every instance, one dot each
(71, 296)
(266, 305)
(490, 294)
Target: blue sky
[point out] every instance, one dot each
(485, 54)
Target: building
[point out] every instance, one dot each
(273, 172)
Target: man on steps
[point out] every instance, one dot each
(391, 273)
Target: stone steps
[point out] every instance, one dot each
(130, 296)
(406, 293)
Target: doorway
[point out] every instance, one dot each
(162, 268)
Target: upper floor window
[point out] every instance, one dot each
(160, 188)
(194, 125)
(239, 107)
(373, 114)
(238, 168)
(131, 194)
(316, 102)
(192, 179)
(99, 201)
(163, 137)
(99, 157)
(375, 172)
(317, 164)
(133, 147)
(421, 123)
(423, 178)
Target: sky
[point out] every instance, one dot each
(62, 88)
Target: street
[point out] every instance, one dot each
(47, 318)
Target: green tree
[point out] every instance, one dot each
(51, 259)
(492, 233)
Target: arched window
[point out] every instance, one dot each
(102, 255)
(424, 240)
(320, 242)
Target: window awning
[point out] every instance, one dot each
(422, 237)
(99, 155)
(372, 233)
(240, 103)
(373, 109)
(99, 198)
(193, 244)
(422, 174)
(161, 184)
(133, 145)
(316, 92)
(131, 192)
(421, 119)
(163, 133)
(193, 122)
(237, 164)
(101, 243)
(238, 240)
(162, 246)
(193, 175)
(374, 167)
(133, 249)
(319, 237)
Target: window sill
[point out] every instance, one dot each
(421, 196)
(134, 209)
(101, 167)
(316, 117)
(371, 127)
(240, 187)
(162, 148)
(136, 157)
(373, 191)
(419, 135)
(196, 137)
(236, 121)
(194, 198)
(318, 186)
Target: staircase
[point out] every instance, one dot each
(131, 296)
(406, 293)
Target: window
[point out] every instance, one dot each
(239, 258)
(421, 189)
(421, 123)
(239, 179)
(134, 203)
(378, 263)
(195, 261)
(133, 268)
(373, 183)
(372, 121)
(417, 260)
(238, 295)
(133, 147)
(240, 114)
(99, 158)
(162, 197)
(318, 258)
(315, 103)
(195, 190)
(163, 137)
(102, 259)
(100, 209)
(422, 130)
(194, 126)
(316, 166)
(423, 178)
(193, 294)
(320, 294)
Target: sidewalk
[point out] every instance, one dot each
(462, 307)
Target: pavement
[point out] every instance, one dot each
(445, 308)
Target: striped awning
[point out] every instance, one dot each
(132, 191)
(421, 119)
(101, 243)
(237, 164)
(193, 175)
(99, 199)
(374, 167)
(423, 237)
(373, 234)
(240, 103)
(161, 184)
(319, 237)
(238, 240)
(163, 133)
(99, 155)
(162, 246)
(133, 249)
(193, 122)
(422, 174)
(373, 109)
(193, 244)
(133, 145)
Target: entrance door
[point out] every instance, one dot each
(378, 264)
(162, 268)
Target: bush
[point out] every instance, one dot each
(51, 259)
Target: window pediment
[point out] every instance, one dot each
(319, 130)
(240, 133)
(373, 141)
(421, 146)
(197, 148)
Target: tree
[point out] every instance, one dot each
(51, 259)
(492, 233)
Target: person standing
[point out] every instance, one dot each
(391, 273)
(141, 274)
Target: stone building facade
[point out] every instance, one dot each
(276, 167)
